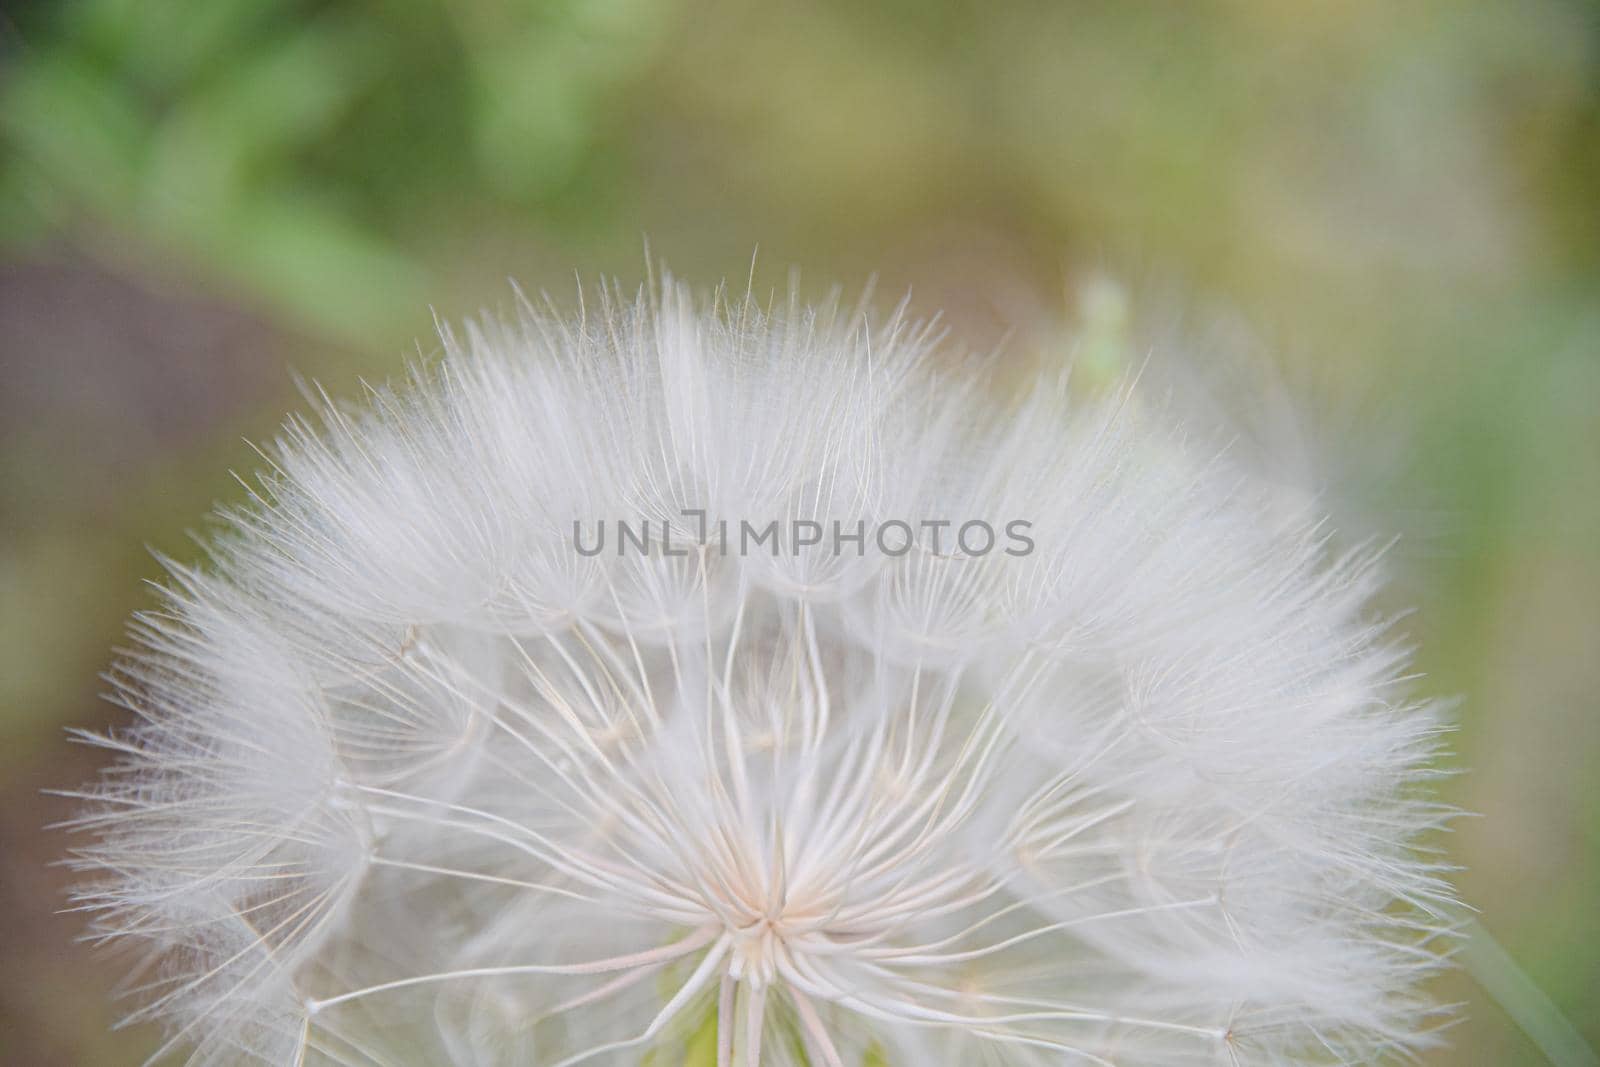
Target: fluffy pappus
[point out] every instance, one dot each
(1081, 752)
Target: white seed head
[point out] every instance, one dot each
(418, 777)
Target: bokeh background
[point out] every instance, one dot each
(1390, 209)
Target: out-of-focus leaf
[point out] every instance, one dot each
(212, 145)
(165, 46)
(76, 126)
(321, 270)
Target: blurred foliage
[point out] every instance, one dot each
(292, 144)
(1402, 199)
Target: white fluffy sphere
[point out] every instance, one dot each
(928, 728)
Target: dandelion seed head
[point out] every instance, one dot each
(417, 777)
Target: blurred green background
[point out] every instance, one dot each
(1399, 201)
